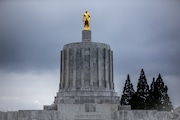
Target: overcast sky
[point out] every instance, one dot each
(142, 34)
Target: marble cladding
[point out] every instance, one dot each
(89, 112)
(86, 74)
(86, 36)
(86, 66)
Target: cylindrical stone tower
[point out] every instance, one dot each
(86, 66)
(86, 74)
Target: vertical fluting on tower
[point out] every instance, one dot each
(86, 66)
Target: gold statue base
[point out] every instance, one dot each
(86, 36)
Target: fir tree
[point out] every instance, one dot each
(144, 98)
(143, 88)
(127, 92)
(162, 100)
(152, 86)
(150, 101)
(136, 102)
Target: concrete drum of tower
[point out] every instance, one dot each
(86, 73)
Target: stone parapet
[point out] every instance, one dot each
(87, 93)
(87, 99)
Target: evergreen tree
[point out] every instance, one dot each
(167, 103)
(144, 98)
(127, 92)
(150, 101)
(162, 100)
(152, 87)
(136, 102)
(143, 88)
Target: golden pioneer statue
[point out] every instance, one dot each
(86, 20)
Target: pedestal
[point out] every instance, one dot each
(86, 36)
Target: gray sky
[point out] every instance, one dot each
(142, 34)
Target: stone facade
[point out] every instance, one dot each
(86, 66)
(86, 89)
(89, 112)
(86, 36)
(86, 74)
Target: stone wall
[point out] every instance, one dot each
(136, 115)
(30, 115)
(89, 112)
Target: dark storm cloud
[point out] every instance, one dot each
(27, 37)
(151, 41)
(33, 33)
(30, 29)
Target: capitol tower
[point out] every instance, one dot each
(86, 74)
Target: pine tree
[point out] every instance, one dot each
(143, 89)
(150, 101)
(167, 103)
(162, 100)
(152, 87)
(136, 102)
(144, 98)
(127, 92)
